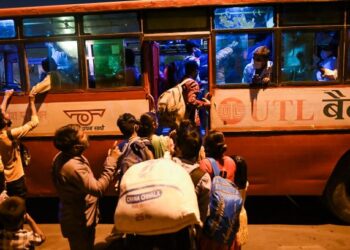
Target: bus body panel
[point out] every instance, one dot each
(292, 164)
(274, 161)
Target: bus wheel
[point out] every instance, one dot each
(337, 193)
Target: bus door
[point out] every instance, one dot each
(166, 61)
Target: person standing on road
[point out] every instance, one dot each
(9, 150)
(215, 147)
(77, 187)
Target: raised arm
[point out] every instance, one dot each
(34, 121)
(32, 105)
(4, 103)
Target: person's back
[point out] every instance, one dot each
(135, 149)
(188, 144)
(148, 127)
(215, 147)
(13, 236)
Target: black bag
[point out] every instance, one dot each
(25, 154)
(24, 151)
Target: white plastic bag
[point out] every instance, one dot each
(157, 197)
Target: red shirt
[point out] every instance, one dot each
(225, 164)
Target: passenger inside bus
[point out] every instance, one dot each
(259, 70)
(225, 64)
(50, 77)
(194, 54)
(327, 63)
(130, 75)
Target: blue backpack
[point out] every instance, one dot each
(225, 205)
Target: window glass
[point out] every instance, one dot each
(311, 14)
(9, 68)
(243, 17)
(176, 20)
(49, 26)
(113, 62)
(309, 56)
(111, 23)
(63, 71)
(7, 28)
(234, 57)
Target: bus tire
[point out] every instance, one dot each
(337, 192)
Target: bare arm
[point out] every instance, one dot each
(34, 121)
(32, 105)
(7, 96)
(36, 229)
(41, 87)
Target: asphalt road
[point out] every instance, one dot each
(275, 223)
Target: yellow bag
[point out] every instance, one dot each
(242, 234)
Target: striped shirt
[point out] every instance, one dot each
(18, 240)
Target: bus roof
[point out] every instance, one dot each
(56, 7)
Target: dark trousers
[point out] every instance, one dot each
(17, 188)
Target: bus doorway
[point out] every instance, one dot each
(165, 62)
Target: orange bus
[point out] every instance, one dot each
(294, 132)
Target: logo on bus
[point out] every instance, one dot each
(231, 110)
(84, 117)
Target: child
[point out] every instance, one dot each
(12, 216)
(148, 127)
(134, 150)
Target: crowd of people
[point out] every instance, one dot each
(79, 190)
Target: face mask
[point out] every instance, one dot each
(258, 65)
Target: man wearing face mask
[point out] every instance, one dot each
(258, 71)
(327, 66)
(77, 187)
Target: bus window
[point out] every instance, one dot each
(111, 23)
(243, 17)
(48, 26)
(311, 14)
(9, 68)
(7, 29)
(113, 63)
(309, 56)
(174, 54)
(235, 51)
(65, 55)
(179, 20)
